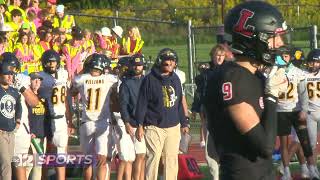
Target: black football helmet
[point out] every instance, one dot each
(96, 61)
(10, 59)
(48, 56)
(313, 56)
(250, 25)
(167, 54)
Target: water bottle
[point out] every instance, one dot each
(37, 146)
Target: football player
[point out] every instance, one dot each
(313, 87)
(54, 88)
(240, 105)
(95, 88)
(292, 111)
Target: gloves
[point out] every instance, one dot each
(277, 82)
(21, 80)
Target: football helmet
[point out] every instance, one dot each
(50, 56)
(167, 54)
(313, 60)
(10, 59)
(248, 28)
(96, 61)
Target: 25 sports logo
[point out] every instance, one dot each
(241, 27)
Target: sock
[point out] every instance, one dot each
(287, 170)
(304, 165)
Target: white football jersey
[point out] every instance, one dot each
(54, 89)
(313, 87)
(289, 101)
(95, 95)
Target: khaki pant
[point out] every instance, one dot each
(162, 142)
(6, 154)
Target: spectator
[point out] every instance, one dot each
(160, 115)
(37, 51)
(31, 17)
(17, 5)
(34, 7)
(116, 33)
(4, 11)
(61, 20)
(2, 44)
(8, 122)
(17, 21)
(103, 39)
(45, 39)
(51, 8)
(88, 44)
(133, 43)
(72, 53)
(22, 50)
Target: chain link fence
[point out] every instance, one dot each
(192, 43)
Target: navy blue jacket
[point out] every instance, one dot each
(10, 108)
(128, 96)
(160, 101)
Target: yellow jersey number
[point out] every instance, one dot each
(313, 89)
(93, 95)
(289, 94)
(58, 95)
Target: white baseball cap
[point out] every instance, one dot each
(105, 31)
(118, 30)
(60, 8)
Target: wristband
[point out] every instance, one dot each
(18, 122)
(22, 89)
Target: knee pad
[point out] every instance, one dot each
(305, 142)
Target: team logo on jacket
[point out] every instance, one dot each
(169, 96)
(7, 106)
(261, 103)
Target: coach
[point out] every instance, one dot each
(160, 116)
(10, 116)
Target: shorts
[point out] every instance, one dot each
(22, 141)
(285, 121)
(96, 138)
(313, 120)
(60, 137)
(128, 146)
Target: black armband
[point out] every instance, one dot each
(256, 139)
(22, 89)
